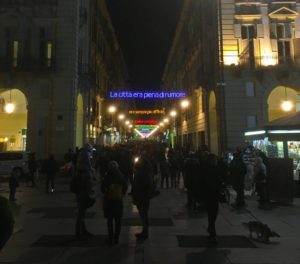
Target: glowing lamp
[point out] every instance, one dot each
(9, 108)
(112, 109)
(287, 106)
(185, 103)
(173, 113)
(166, 120)
(121, 117)
(127, 122)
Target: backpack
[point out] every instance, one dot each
(114, 192)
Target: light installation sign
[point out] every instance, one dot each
(147, 112)
(147, 95)
(145, 130)
(145, 122)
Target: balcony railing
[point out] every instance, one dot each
(26, 65)
(252, 62)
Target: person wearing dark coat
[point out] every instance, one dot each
(114, 187)
(212, 185)
(32, 166)
(13, 184)
(238, 170)
(192, 169)
(50, 169)
(6, 221)
(83, 178)
(142, 188)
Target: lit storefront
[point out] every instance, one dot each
(279, 139)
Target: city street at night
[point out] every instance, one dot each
(150, 131)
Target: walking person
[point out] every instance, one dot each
(164, 172)
(114, 187)
(50, 169)
(142, 189)
(32, 167)
(238, 170)
(82, 186)
(212, 185)
(13, 184)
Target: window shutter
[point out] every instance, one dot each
(260, 30)
(297, 29)
(237, 31)
(273, 34)
(274, 45)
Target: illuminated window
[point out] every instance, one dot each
(15, 53)
(49, 53)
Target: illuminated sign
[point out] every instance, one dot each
(146, 95)
(147, 112)
(145, 122)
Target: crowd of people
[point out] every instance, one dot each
(141, 170)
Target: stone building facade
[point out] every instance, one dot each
(61, 56)
(256, 67)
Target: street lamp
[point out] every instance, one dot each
(121, 117)
(173, 113)
(166, 120)
(184, 104)
(127, 122)
(112, 109)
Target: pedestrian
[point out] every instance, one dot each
(50, 169)
(142, 189)
(13, 184)
(238, 170)
(164, 172)
(191, 169)
(6, 221)
(83, 188)
(212, 185)
(114, 187)
(260, 178)
(32, 167)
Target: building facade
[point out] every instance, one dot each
(57, 59)
(257, 68)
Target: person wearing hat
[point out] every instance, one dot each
(114, 187)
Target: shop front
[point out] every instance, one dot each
(280, 141)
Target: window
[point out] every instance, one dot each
(15, 52)
(284, 51)
(250, 89)
(49, 54)
(251, 121)
(248, 32)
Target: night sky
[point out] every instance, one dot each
(145, 30)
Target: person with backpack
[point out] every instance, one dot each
(114, 187)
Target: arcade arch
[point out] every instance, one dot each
(213, 124)
(13, 129)
(79, 121)
(275, 100)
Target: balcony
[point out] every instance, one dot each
(26, 65)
